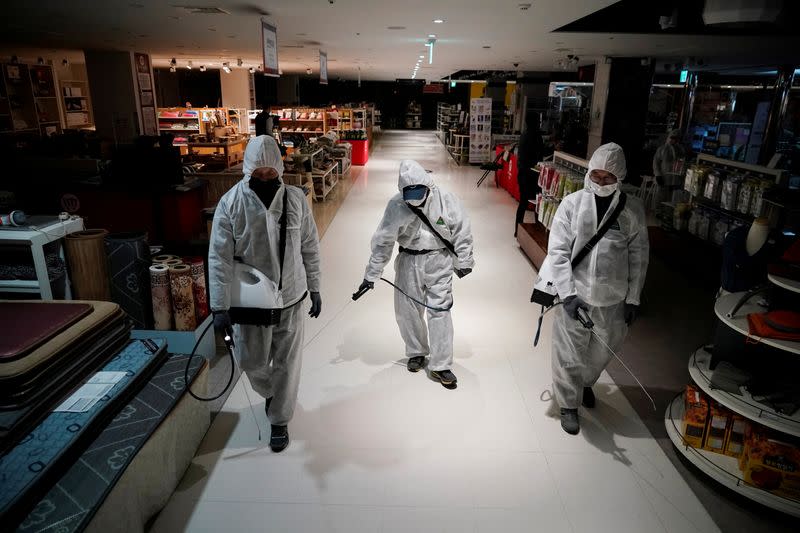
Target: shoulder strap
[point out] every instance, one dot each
(283, 223)
(417, 211)
(600, 232)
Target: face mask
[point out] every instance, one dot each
(415, 195)
(602, 191)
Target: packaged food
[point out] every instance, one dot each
(730, 194)
(717, 430)
(746, 192)
(695, 416)
(773, 464)
(704, 226)
(737, 431)
(713, 188)
(757, 202)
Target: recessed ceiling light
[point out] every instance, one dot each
(431, 36)
(422, 57)
(438, 21)
(395, 27)
(487, 47)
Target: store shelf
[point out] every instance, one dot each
(178, 118)
(739, 322)
(743, 404)
(18, 285)
(722, 468)
(785, 283)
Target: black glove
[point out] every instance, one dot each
(461, 272)
(366, 285)
(572, 304)
(631, 311)
(316, 305)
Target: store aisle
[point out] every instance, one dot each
(376, 448)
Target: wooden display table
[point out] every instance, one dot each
(232, 151)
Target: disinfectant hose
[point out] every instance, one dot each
(361, 293)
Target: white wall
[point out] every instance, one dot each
(235, 88)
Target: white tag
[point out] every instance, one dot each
(85, 398)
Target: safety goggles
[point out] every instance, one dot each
(414, 193)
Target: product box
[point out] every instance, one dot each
(774, 465)
(737, 431)
(717, 430)
(695, 416)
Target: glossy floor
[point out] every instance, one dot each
(378, 449)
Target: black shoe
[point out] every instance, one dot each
(588, 398)
(569, 421)
(445, 377)
(279, 439)
(416, 363)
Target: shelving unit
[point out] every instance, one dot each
(29, 102)
(722, 468)
(239, 119)
(77, 104)
(302, 121)
(37, 239)
(183, 122)
(325, 180)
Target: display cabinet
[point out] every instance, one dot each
(29, 102)
(77, 104)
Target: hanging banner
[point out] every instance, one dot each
(269, 45)
(323, 68)
(480, 130)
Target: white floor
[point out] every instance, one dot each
(378, 449)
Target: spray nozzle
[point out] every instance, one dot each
(360, 292)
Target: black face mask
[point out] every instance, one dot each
(265, 190)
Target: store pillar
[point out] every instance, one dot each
(619, 109)
(236, 89)
(128, 110)
(687, 103)
(777, 112)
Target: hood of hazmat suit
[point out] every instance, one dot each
(262, 151)
(614, 272)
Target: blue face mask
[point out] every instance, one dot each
(415, 194)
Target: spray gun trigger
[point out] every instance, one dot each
(584, 319)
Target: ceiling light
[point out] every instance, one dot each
(239, 62)
(189, 65)
(308, 71)
(252, 70)
(438, 21)
(422, 57)
(431, 36)
(172, 62)
(226, 67)
(173, 69)
(202, 68)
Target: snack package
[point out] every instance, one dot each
(717, 430)
(773, 464)
(694, 417)
(737, 431)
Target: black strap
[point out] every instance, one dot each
(283, 223)
(417, 211)
(600, 232)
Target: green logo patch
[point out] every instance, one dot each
(440, 222)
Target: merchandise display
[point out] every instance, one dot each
(73, 502)
(69, 428)
(53, 346)
(29, 100)
(77, 104)
(303, 120)
(556, 182)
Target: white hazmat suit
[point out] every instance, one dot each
(245, 228)
(428, 277)
(610, 276)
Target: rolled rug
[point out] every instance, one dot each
(128, 266)
(88, 265)
(180, 278)
(162, 298)
(199, 287)
(164, 257)
(170, 262)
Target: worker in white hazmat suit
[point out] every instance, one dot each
(424, 267)
(607, 282)
(247, 228)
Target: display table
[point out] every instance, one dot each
(231, 150)
(37, 239)
(722, 468)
